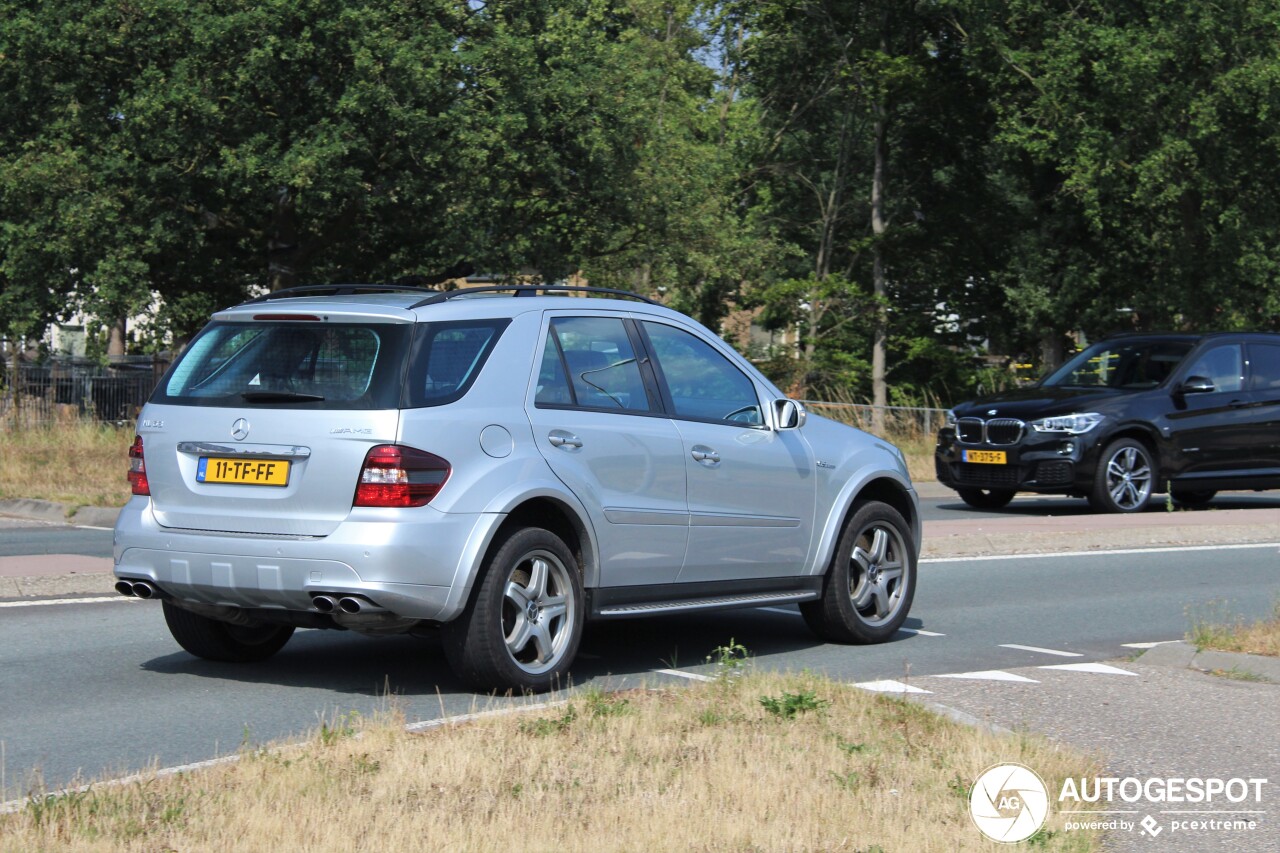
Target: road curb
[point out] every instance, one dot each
(60, 513)
(1246, 667)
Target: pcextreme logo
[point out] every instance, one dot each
(1009, 803)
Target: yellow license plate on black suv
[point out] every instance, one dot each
(985, 457)
(246, 472)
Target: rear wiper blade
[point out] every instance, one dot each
(280, 397)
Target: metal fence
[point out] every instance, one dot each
(71, 389)
(898, 420)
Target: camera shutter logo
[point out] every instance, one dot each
(1009, 803)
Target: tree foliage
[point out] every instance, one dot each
(889, 183)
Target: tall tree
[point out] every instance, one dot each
(1137, 142)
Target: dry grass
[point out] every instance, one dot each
(702, 768)
(74, 461)
(81, 463)
(1235, 635)
(901, 429)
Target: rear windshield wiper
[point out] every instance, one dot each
(280, 397)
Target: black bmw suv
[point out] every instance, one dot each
(1126, 418)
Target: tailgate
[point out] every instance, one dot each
(256, 470)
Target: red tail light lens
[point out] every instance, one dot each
(138, 469)
(398, 476)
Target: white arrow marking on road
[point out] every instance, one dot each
(1042, 651)
(988, 675)
(1149, 645)
(1101, 668)
(889, 687)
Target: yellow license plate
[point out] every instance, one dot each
(248, 472)
(985, 457)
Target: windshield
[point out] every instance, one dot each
(1131, 365)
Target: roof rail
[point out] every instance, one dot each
(529, 290)
(334, 290)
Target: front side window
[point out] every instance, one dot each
(703, 384)
(297, 364)
(589, 362)
(1222, 365)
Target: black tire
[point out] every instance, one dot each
(986, 498)
(1192, 498)
(221, 641)
(522, 627)
(1124, 478)
(868, 589)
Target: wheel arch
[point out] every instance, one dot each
(1149, 439)
(542, 506)
(882, 486)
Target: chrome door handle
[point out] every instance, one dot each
(560, 438)
(705, 455)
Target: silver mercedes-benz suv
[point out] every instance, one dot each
(500, 469)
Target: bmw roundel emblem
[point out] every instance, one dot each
(240, 429)
(991, 411)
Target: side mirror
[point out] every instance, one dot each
(789, 414)
(1196, 385)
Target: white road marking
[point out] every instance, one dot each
(1100, 668)
(889, 687)
(49, 602)
(1042, 651)
(988, 675)
(1120, 552)
(682, 674)
(1149, 645)
(921, 632)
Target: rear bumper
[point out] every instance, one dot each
(416, 564)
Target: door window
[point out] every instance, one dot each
(589, 362)
(1264, 367)
(703, 384)
(1221, 365)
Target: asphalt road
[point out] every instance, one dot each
(951, 508)
(93, 689)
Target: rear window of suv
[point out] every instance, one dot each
(290, 364)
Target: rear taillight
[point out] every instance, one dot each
(394, 475)
(138, 469)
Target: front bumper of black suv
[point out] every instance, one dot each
(1006, 454)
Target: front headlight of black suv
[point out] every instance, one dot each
(1075, 424)
(951, 419)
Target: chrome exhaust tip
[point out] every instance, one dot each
(142, 589)
(124, 588)
(324, 603)
(351, 604)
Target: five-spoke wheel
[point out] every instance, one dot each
(868, 589)
(522, 627)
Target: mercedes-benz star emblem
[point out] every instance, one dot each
(240, 429)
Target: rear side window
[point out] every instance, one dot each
(1264, 364)
(290, 364)
(589, 362)
(448, 358)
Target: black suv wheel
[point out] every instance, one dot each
(1124, 477)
